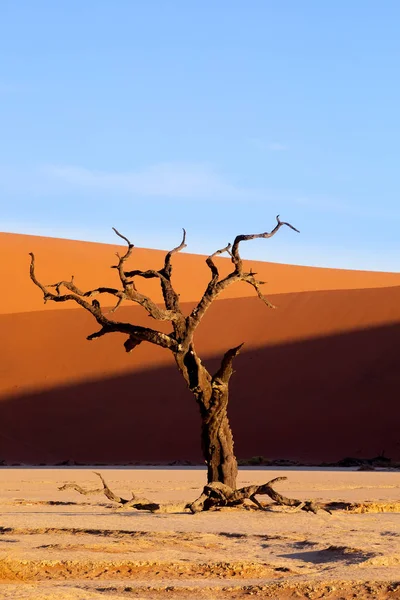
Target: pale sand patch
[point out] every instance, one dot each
(84, 549)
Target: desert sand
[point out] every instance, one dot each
(66, 546)
(317, 380)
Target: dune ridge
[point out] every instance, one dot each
(90, 263)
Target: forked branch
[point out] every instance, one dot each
(135, 332)
(210, 262)
(130, 292)
(181, 339)
(171, 297)
(121, 261)
(216, 285)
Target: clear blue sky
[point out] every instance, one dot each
(214, 115)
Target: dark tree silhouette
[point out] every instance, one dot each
(211, 391)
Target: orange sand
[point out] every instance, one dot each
(90, 263)
(318, 378)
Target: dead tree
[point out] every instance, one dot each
(211, 391)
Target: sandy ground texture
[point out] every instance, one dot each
(62, 545)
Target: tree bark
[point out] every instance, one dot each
(212, 395)
(217, 441)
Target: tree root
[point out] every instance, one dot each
(139, 504)
(218, 494)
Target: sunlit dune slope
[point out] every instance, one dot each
(90, 264)
(318, 379)
(49, 348)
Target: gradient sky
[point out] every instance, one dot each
(214, 115)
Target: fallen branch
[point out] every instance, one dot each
(79, 489)
(217, 494)
(139, 504)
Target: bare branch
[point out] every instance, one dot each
(139, 504)
(130, 245)
(79, 489)
(211, 264)
(219, 494)
(33, 276)
(97, 334)
(128, 292)
(256, 285)
(171, 298)
(107, 326)
(58, 297)
(173, 312)
(167, 263)
(236, 259)
(149, 274)
(225, 371)
(119, 302)
(108, 493)
(216, 286)
(121, 261)
(137, 334)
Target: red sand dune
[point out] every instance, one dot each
(90, 264)
(318, 378)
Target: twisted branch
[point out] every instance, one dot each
(135, 332)
(181, 339)
(236, 259)
(130, 292)
(218, 494)
(211, 264)
(216, 286)
(122, 260)
(133, 502)
(170, 296)
(167, 264)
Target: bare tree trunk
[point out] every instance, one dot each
(217, 441)
(212, 395)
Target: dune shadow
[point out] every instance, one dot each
(312, 400)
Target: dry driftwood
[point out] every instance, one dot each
(139, 504)
(217, 494)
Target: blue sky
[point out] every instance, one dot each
(152, 115)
